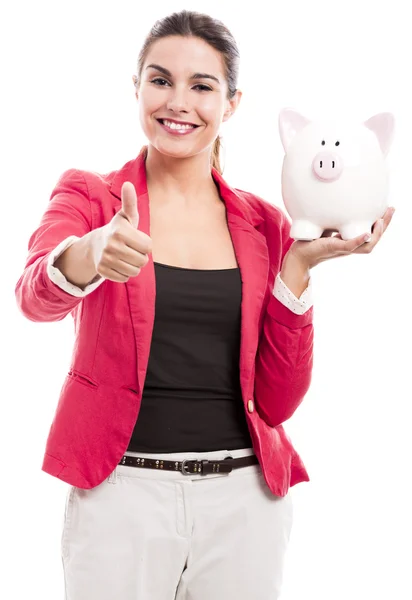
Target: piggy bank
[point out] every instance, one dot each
(334, 174)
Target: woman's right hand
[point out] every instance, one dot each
(119, 249)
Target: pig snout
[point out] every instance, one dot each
(327, 166)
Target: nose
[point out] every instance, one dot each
(177, 100)
(327, 166)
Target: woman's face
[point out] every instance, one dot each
(183, 83)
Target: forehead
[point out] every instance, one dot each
(185, 56)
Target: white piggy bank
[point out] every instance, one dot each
(334, 174)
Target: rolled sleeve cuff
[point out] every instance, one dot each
(297, 305)
(288, 310)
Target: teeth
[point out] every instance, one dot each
(172, 125)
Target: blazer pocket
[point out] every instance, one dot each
(82, 378)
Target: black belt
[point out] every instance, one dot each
(191, 467)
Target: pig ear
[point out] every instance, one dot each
(290, 123)
(382, 126)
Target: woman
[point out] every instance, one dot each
(194, 343)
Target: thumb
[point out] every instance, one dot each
(129, 203)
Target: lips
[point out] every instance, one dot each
(177, 128)
(177, 122)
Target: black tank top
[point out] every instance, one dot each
(192, 400)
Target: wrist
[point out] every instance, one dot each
(76, 263)
(295, 273)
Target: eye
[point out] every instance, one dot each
(323, 142)
(337, 143)
(203, 88)
(158, 81)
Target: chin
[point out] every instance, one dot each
(173, 150)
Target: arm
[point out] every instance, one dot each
(68, 214)
(285, 355)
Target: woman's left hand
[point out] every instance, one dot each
(328, 246)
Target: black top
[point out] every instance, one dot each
(192, 399)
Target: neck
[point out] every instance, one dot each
(185, 181)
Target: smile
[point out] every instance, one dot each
(177, 128)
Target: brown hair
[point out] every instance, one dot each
(190, 23)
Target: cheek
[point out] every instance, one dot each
(148, 105)
(151, 98)
(148, 102)
(210, 109)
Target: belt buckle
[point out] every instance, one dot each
(199, 464)
(183, 468)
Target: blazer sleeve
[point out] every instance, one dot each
(68, 214)
(284, 358)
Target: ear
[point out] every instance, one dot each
(382, 125)
(232, 105)
(290, 123)
(134, 79)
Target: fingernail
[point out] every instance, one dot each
(367, 238)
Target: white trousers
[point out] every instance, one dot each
(145, 534)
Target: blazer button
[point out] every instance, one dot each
(250, 406)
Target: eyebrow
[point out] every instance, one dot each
(194, 76)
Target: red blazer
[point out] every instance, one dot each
(101, 394)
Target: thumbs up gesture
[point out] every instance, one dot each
(129, 205)
(119, 249)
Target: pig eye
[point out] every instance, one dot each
(337, 143)
(323, 142)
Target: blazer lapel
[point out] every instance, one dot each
(251, 253)
(253, 260)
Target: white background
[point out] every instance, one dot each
(68, 101)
